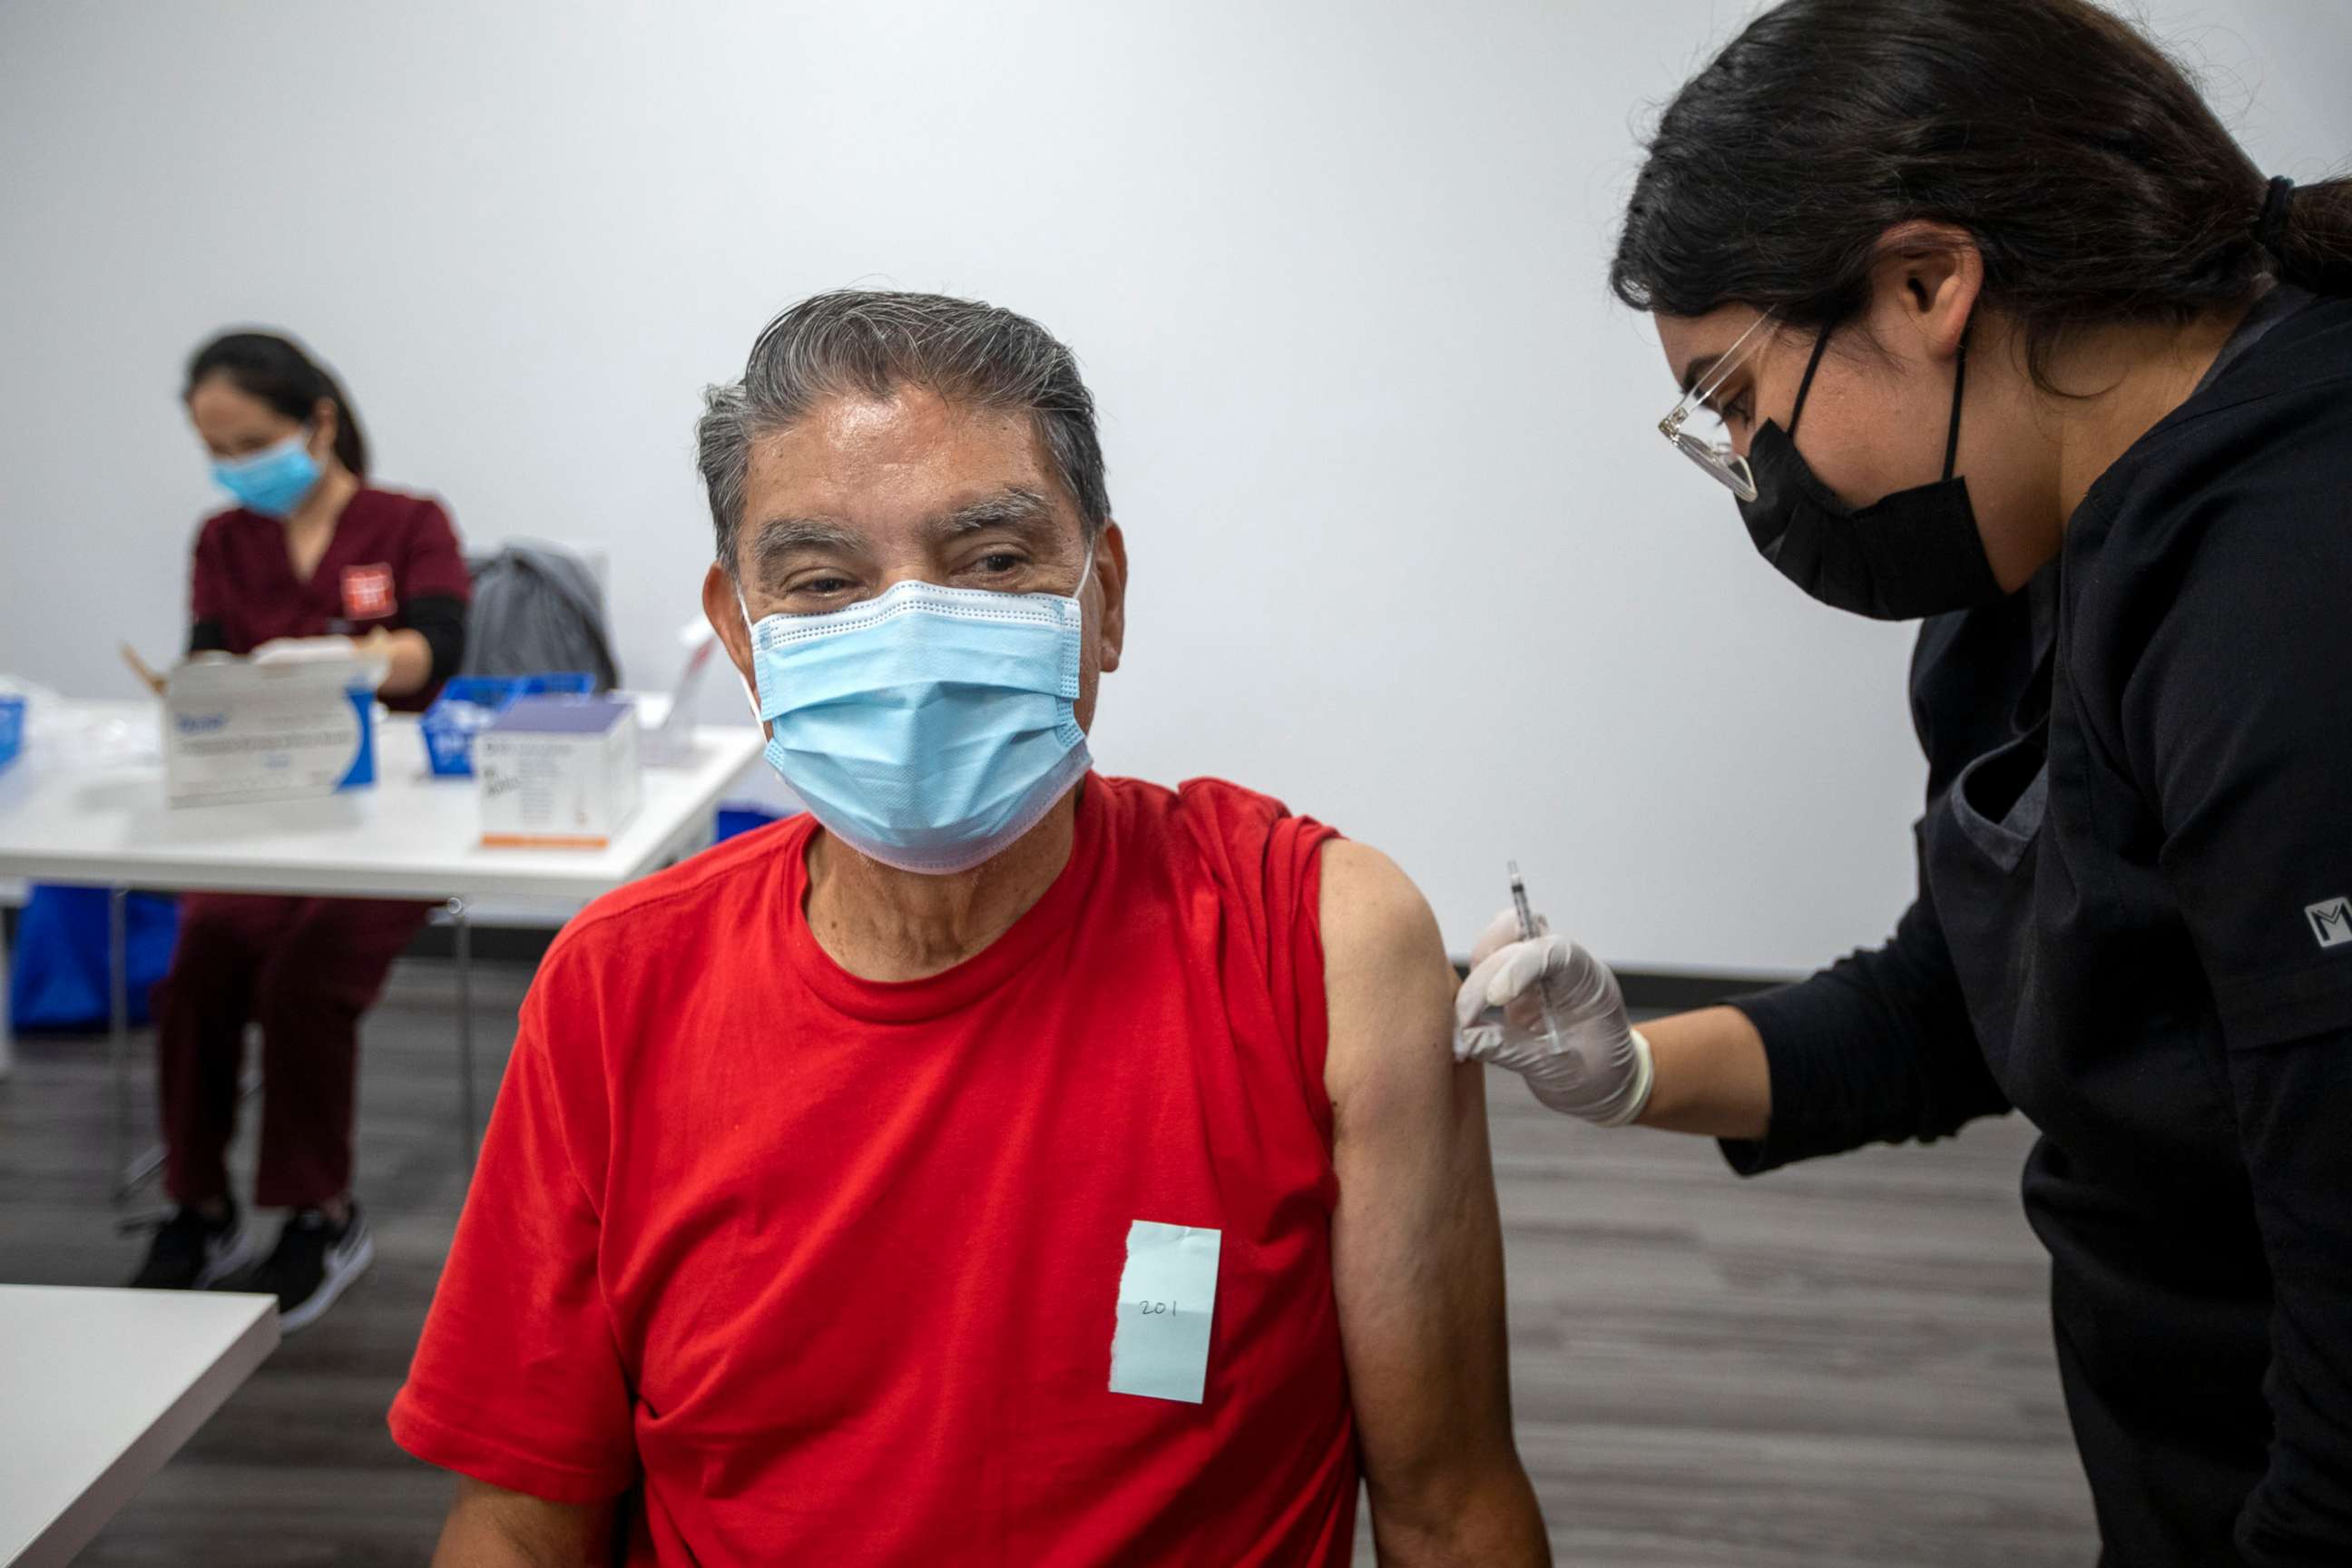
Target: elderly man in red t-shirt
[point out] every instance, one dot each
(1002, 1162)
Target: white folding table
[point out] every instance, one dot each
(97, 1388)
(411, 835)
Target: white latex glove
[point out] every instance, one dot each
(304, 650)
(1601, 1071)
(369, 662)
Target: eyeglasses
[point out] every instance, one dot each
(1717, 458)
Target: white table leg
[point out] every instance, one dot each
(132, 1171)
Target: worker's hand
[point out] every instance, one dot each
(1600, 1069)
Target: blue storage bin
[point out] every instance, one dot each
(12, 729)
(740, 816)
(469, 703)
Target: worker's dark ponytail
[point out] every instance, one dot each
(274, 368)
(2095, 180)
(2310, 236)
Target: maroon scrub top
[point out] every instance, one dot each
(388, 551)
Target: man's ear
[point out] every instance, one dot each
(1111, 582)
(724, 610)
(1925, 287)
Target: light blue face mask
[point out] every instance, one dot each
(932, 727)
(273, 480)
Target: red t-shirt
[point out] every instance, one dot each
(833, 1266)
(387, 550)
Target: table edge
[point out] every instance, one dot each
(54, 1545)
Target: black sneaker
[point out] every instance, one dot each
(191, 1252)
(313, 1263)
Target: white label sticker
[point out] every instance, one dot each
(1167, 1296)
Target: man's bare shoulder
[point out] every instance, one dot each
(1371, 910)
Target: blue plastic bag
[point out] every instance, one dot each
(57, 976)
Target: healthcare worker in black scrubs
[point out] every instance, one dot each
(2005, 332)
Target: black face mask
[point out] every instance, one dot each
(1917, 553)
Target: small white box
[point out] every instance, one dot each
(235, 729)
(558, 772)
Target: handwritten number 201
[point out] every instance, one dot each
(1154, 1309)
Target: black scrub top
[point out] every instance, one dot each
(2135, 925)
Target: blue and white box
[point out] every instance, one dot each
(237, 730)
(558, 773)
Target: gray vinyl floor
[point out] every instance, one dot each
(1846, 1366)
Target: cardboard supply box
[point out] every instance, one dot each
(558, 772)
(237, 730)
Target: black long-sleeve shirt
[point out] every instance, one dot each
(438, 618)
(2135, 925)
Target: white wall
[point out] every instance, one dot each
(1407, 549)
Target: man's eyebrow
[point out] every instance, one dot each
(781, 536)
(1015, 506)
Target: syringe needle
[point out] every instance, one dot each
(1527, 918)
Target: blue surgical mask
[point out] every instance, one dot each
(929, 728)
(273, 480)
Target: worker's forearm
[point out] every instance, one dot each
(1711, 1075)
(412, 662)
(1492, 1520)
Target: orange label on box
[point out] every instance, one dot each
(544, 841)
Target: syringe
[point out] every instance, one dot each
(1527, 915)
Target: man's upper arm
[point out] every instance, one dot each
(1417, 1256)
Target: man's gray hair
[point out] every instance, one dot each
(871, 343)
